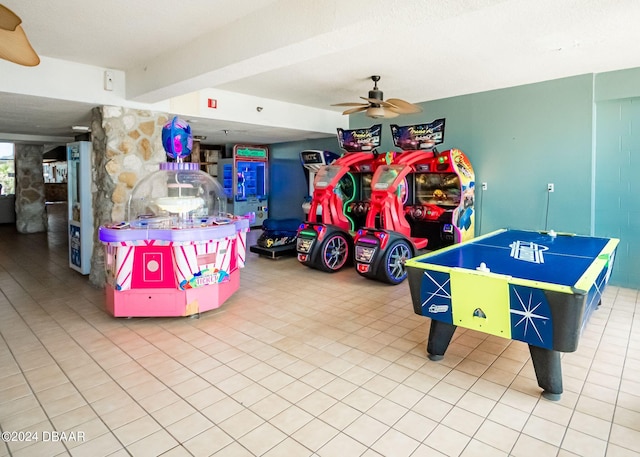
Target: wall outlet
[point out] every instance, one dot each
(550, 187)
(484, 186)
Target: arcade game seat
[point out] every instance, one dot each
(278, 238)
(340, 201)
(423, 200)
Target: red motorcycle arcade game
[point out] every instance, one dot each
(424, 200)
(340, 201)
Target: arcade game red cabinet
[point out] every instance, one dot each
(312, 161)
(424, 200)
(340, 202)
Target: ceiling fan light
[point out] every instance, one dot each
(375, 112)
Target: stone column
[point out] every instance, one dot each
(127, 146)
(31, 216)
(102, 204)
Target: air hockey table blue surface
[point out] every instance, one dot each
(535, 287)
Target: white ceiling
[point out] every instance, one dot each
(316, 52)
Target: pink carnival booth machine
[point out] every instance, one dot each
(178, 253)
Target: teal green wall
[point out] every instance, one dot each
(288, 184)
(617, 167)
(518, 140)
(580, 133)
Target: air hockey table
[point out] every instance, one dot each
(536, 287)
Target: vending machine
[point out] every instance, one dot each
(80, 206)
(244, 178)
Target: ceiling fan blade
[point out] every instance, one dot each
(377, 107)
(8, 19)
(356, 110)
(403, 107)
(377, 102)
(349, 104)
(15, 47)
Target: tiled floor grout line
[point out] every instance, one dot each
(372, 330)
(79, 391)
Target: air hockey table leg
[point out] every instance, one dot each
(440, 334)
(546, 364)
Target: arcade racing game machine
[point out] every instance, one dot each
(424, 200)
(279, 236)
(312, 160)
(340, 202)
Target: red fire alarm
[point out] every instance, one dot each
(212, 103)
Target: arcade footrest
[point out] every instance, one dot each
(274, 252)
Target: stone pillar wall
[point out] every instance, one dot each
(102, 190)
(31, 216)
(127, 146)
(134, 149)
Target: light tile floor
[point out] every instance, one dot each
(297, 363)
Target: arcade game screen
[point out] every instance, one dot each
(355, 186)
(365, 186)
(388, 176)
(251, 180)
(437, 189)
(346, 188)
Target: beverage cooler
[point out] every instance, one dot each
(244, 178)
(80, 207)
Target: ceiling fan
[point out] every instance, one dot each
(377, 107)
(14, 44)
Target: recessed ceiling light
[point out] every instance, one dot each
(80, 128)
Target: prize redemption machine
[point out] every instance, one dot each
(244, 178)
(424, 200)
(179, 252)
(340, 202)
